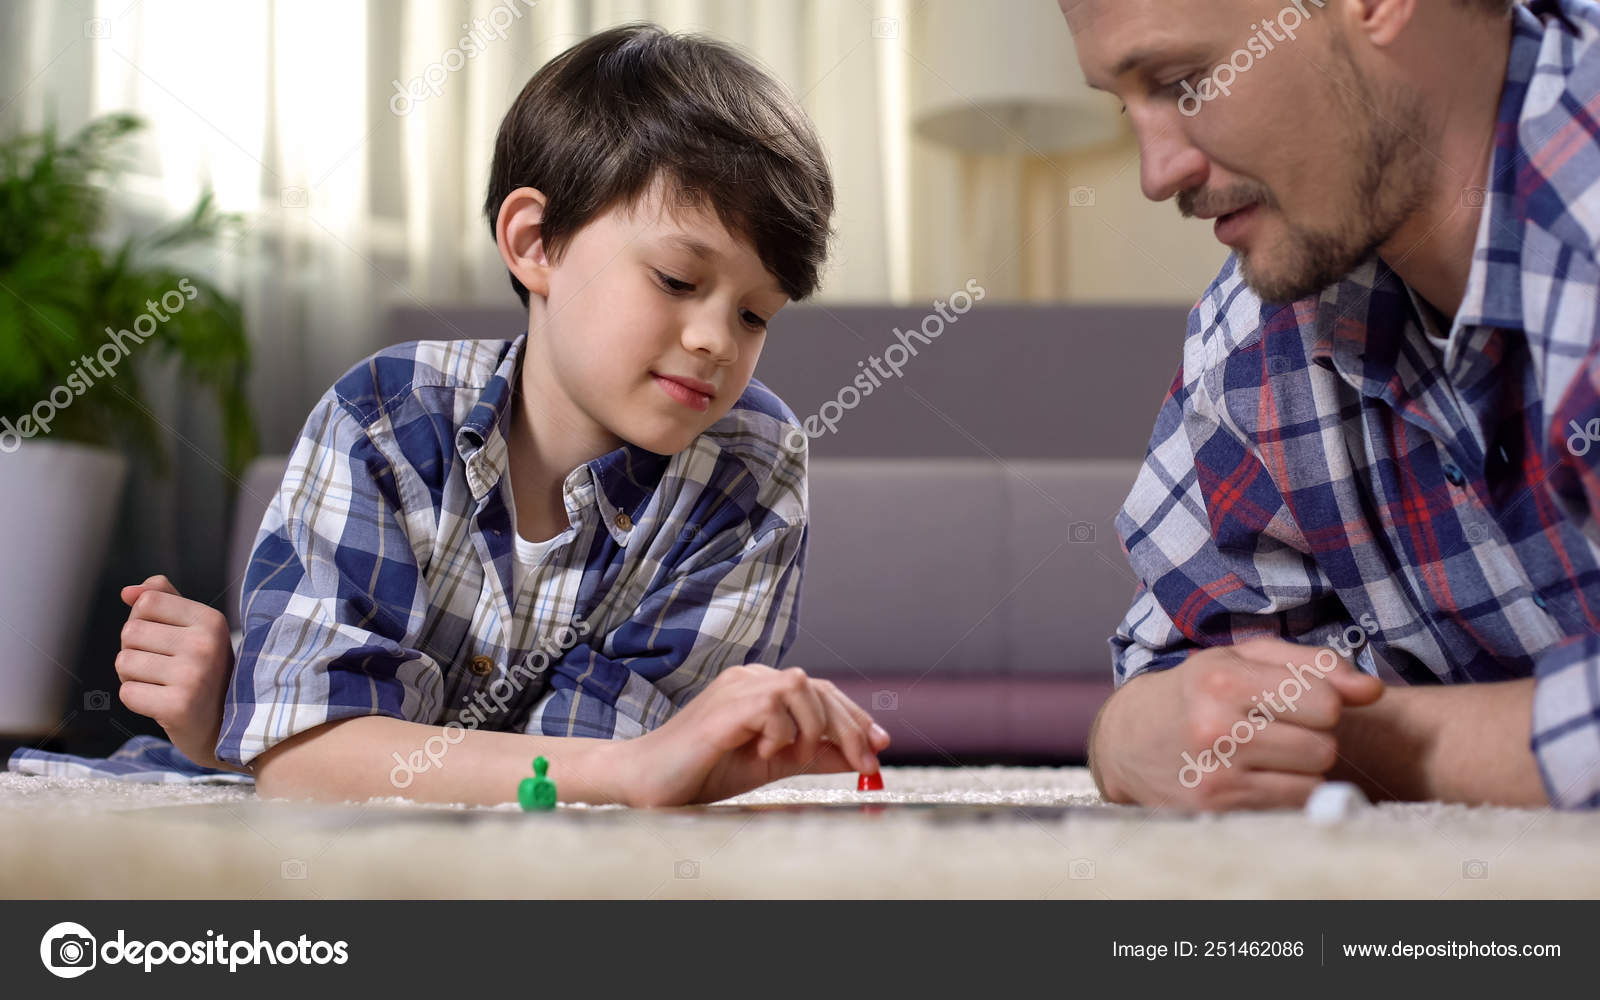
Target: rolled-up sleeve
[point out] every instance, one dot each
(1566, 698)
(333, 598)
(1566, 722)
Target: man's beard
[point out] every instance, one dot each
(1390, 181)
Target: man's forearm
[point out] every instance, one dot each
(356, 760)
(1461, 743)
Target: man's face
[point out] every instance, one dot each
(1252, 113)
(654, 321)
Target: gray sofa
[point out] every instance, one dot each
(964, 569)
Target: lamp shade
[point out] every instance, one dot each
(990, 78)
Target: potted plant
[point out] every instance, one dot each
(78, 318)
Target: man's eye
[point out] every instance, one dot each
(1175, 88)
(672, 284)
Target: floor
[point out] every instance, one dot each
(934, 832)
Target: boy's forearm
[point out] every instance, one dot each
(1460, 743)
(355, 760)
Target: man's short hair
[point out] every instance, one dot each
(599, 124)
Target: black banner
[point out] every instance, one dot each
(52, 948)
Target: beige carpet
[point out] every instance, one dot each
(79, 838)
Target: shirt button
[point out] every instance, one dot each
(624, 522)
(1453, 473)
(1538, 599)
(482, 665)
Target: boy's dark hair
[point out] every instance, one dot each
(597, 125)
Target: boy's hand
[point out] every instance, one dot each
(752, 725)
(176, 659)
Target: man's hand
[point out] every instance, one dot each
(1233, 727)
(176, 660)
(1452, 743)
(751, 725)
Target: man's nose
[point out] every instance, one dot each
(1169, 163)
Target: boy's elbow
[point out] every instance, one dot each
(278, 777)
(294, 768)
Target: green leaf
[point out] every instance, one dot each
(61, 288)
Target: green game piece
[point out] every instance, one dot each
(537, 792)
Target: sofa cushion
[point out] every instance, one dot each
(1063, 541)
(906, 563)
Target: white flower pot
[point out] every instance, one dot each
(58, 505)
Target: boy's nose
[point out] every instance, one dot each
(711, 338)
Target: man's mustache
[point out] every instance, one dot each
(1211, 204)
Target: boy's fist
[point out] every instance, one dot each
(176, 659)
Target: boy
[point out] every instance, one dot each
(575, 544)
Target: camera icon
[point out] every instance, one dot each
(292, 868)
(1477, 533)
(1474, 197)
(96, 701)
(97, 27)
(294, 197)
(886, 27)
(686, 869)
(1081, 868)
(1080, 532)
(68, 950)
(1081, 197)
(1474, 868)
(886, 701)
(1278, 366)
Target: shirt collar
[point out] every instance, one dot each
(1493, 295)
(624, 479)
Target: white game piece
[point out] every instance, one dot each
(1333, 801)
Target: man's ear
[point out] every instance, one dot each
(519, 233)
(1382, 21)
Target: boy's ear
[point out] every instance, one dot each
(519, 234)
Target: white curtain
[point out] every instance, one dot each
(288, 110)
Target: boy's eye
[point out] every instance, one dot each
(753, 321)
(672, 284)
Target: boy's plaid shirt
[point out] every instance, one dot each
(1325, 463)
(381, 579)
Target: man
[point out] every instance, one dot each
(1379, 450)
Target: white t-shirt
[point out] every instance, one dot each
(526, 556)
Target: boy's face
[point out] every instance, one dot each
(649, 326)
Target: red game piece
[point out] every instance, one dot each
(870, 783)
